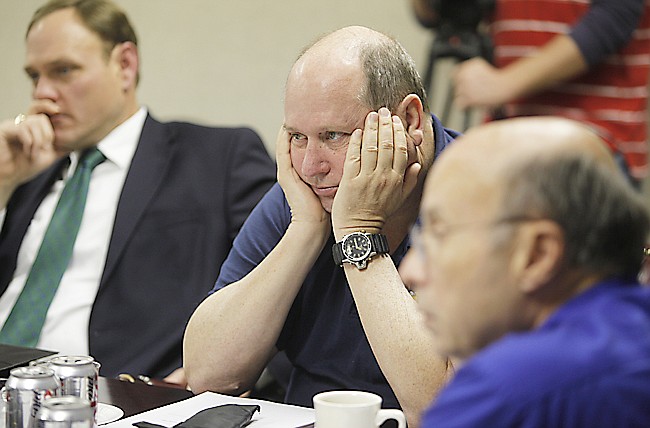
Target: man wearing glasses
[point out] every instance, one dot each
(529, 276)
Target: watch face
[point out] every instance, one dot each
(356, 247)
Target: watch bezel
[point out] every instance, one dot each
(378, 245)
(356, 259)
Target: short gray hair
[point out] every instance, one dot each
(605, 221)
(390, 75)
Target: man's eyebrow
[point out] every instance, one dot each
(340, 128)
(52, 64)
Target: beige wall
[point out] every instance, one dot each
(220, 62)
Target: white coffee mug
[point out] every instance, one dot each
(353, 409)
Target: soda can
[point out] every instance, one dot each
(78, 375)
(25, 391)
(65, 412)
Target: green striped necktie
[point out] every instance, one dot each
(25, 322)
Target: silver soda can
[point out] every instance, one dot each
(24, 393)
(65, 412)
(78, 376)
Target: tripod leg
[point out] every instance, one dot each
(449, 101)
(428, 75)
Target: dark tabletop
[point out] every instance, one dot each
(134, 398)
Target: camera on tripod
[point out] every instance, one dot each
(457, 28)
(458, 36)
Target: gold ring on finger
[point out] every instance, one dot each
(20, 119)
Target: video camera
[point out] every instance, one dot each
(457, 36)
(462, 15)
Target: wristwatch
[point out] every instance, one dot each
(358, 248)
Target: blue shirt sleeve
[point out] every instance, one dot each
(606, 28)
(260, 233)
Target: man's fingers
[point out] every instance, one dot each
(369, 143)
(385, 139)
(42, 132)
(353, 156)
(283, 149)
(21, 137)
(36, 135)
(43, 106)
(400, 154)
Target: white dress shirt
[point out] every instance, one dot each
(66, 323)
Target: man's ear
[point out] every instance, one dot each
(539, 254)
(128, 62)
(412, 112)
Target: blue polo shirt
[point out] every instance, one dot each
(322, 335)
(587, 366)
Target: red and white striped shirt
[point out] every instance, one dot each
(612, 97)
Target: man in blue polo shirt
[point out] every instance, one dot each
(310, 273)
(529, 276)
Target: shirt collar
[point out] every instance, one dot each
(120, 144)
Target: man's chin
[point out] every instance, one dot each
(66, 143)
(63, 141)
(327, 203)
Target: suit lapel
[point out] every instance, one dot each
(20, 212)
(148, 168)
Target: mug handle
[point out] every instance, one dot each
(385, 414)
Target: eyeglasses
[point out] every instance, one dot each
(440, 231)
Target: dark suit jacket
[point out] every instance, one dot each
(187, 193)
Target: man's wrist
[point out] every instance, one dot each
(340, 232)
(359, 248)
(316, 232)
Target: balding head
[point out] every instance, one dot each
(500, 146)
(518, 217)
(558, 169)
(385, 70)
(343, 45)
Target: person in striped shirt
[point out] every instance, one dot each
(587, 60)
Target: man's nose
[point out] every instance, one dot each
(44, 89)
(315, 162)
(412, 269)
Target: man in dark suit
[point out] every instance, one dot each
(161, 211)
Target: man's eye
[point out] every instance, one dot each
(332, 135)
(335, 140)
(62, 71)
(298, 140)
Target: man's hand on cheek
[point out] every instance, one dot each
(377, 177)
(305, 205)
